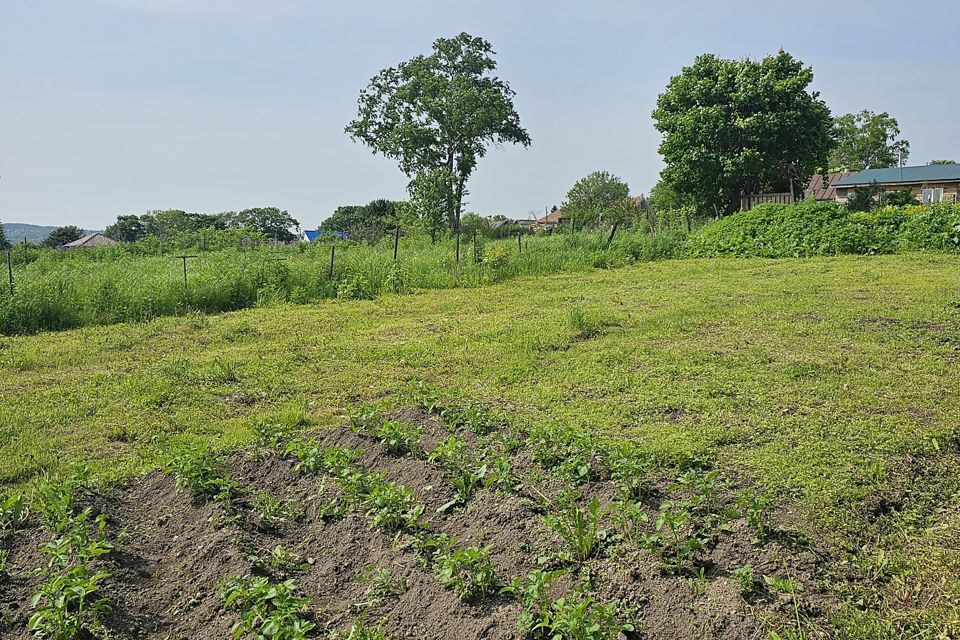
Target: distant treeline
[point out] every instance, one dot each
(269, 222)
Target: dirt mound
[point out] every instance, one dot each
(173, 552)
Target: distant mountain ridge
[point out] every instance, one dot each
(34, 233)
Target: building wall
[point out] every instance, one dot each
(951, 190)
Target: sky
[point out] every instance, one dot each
(112, 107)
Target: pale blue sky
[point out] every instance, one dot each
(120, 106)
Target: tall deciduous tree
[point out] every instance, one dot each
(440, 111)
(128, 228)
(270, 221)
(4, 243)
(599, 197)
(737, 127)
(867, 140)
(63, 235)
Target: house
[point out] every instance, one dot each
(89, 240)
(929, 183)
(550, 220)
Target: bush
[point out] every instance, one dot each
(825, 228)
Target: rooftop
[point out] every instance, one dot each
(903, 175)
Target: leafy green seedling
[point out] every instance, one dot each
(267, 610)
(392, 507)
(755, 507)
(400, 437)
(745, 579)
(380, 586)
(270, 510)
(630, 519)
(579, 528)
(202, 473)
(468, 571)
(13, 513)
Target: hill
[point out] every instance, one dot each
(34, 233)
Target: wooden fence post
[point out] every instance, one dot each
(396, 243)
(184, 258)
(613, 230)
(519, 243)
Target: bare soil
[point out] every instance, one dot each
(172, 552)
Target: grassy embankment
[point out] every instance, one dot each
(831, 382)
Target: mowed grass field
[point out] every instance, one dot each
(831, 383)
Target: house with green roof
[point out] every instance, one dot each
(930, 184)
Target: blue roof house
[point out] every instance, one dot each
(929, 183)
(312, 235)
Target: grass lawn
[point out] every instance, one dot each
(832, 383)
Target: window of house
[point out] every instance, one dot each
(932, 196)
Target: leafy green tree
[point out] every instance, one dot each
(736, 127)
(62, 235)
(432, 196)
(599, 197)
(867, 140)
(270, 221)
(932, 162)
(664, 197)
(472, 223)
(439, 111)
(127, 228)
(4, 243)
(164, 224)
(368, 223)
(864, 198)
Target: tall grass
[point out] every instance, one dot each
(65, 290)
(58, 290)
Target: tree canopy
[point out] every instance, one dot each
(62, 235)
(599, 197)
(439, 111)
(270, 221)
(867, 140)
(736, 127)
(4, 243)
(368, 223)
(127, 228)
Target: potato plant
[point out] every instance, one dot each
(67, 606)
(459, 469)
(400, 437)
(577, 617)
(755, 507)
(267, 609)
(202, 474)
(467, 571)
